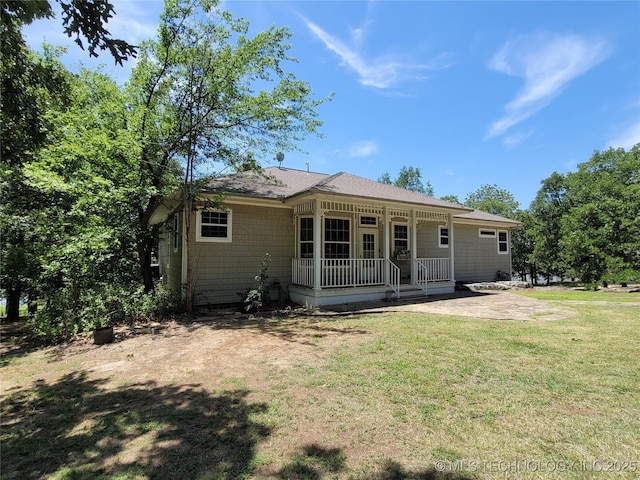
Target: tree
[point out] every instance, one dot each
(547, 211)
(79, 18)
(600, 231)
(206, 92)
(28, 85)
(495, 200)
(451, 198)
(522, 244)
(78, 219)
(409, 178)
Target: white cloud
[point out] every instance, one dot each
(516, 139)
(364, 148)
(626, 138)
(135, 21)
(382, 72)
(547, 63)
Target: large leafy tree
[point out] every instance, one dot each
(495, 200)
(547, 211)
(80, 191)
(409, 178)
(601, 227)
(29, 85)
(205, 91)
(522, 244)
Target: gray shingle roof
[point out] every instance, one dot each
(284, 183)
(479, 215)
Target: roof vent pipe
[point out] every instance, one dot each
(307, 167)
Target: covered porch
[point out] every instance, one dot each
(347, 251)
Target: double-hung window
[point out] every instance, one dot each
(503, 242)
(337, 238)
(306, 237)
(400, 239)
(213, 226)
(443, 237)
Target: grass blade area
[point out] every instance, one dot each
(380, 396)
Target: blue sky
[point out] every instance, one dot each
(472, 93)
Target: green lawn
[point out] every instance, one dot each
(410, 396)
(582, 295)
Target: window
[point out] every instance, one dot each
(503, 242)
(306, 237)
(213, 226)
(337, 238)
(400, 239)
(368, 221)
(443, 237)
(487, 233)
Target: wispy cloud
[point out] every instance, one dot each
(626, 138)
(383, 72)
(364, 148)
(516, 139)
(547, 63)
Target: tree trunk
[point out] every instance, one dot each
(189, 289)
(13, 304)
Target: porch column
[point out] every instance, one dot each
(317, 245)
(414, 246)
(452, 274)
(386, 242)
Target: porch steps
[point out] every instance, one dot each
(409, 291)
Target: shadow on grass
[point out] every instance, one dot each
(76, 428)
(300, 329)
(16, 340)
(314, 462)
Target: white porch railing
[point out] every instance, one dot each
(433, 269)
(346, 272)
(302, 272)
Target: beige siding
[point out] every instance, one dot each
(427, 238)
(170, 258)
(223, 270)
(476, 258)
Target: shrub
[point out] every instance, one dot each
(66, 314)
(254, 299)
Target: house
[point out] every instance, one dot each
(332, 239)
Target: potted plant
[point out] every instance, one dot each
(403, 254)
(104, 334)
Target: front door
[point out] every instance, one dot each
(369, 244)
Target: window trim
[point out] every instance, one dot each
(349, 242)
(487, 233)
(300, 241)
(440, 236)
(505, 242)
(200, 238)
(393, 237)
(368, 225)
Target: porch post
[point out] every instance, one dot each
(414, 246)
(317, 245)
(385, 242)
(452, 274)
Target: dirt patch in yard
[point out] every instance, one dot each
(225, 347)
